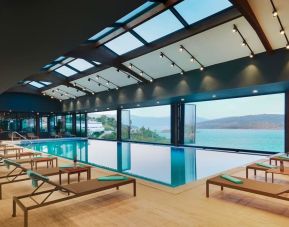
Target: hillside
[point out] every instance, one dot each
(263, 121)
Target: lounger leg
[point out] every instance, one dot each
(0, 191)
(78, 177)
(26, 218)
(117, 188)
(14, 209)
(265, 176)
(134, 188)
(247, 173)
(270, 161)
(222, 188)
(255, 172)
(207, 190)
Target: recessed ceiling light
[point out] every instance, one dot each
(214, 96)
(158, 102)
(255, 91)
(107, 108)
(202, 68)
(182, 99)
(138, 104)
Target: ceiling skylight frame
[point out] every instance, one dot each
(80, 64)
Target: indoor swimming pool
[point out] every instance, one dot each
(167, 165)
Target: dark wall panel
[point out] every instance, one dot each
(19, 102)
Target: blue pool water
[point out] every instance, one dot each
(172, 166)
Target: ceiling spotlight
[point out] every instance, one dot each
(275, 13)
(92, 93)
(141, 73)
(192, 60)
(77, 90)
(172, 64)
(161, 55)
(116, 88)
(60, 100)
(282, 32)
(83, 89)
(243, 43)
(181, 48)
(53, 91)
(202, 68)
(44, 94)
(234, 29)
(130, 66)
(287, 46)
(251, 55)
(89, 79)
(151, 80)
(107, 83)
(98, 84)
(97, 77)
(182, 72)
(128, 76)
(74, 84)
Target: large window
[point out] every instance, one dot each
(28, 125)
(148, 124)
(80, 125)
(43, 124)
(102, 125)
(251, 123)
(68, 123)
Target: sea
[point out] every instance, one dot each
(248, 139)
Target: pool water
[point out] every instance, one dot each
(171, 166)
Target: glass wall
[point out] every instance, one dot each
(68, 123)
(102, 125)
(148, 124)
(80, 125)
(43, 124)
(28, 125)
(251, 123)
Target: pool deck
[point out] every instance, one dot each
(154, 205)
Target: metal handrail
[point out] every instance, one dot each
(21, 136)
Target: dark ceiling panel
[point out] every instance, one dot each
(34, 32)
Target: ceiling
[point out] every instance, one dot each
(34, 32)
(213, 44)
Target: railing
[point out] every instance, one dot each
(21, 136)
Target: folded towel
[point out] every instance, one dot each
(112, 178)
(232, 179)
(35, 177)
(265, 165)
(8, 163)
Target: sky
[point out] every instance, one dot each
(155, 111)
(264, 104)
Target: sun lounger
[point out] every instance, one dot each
(19, 155)
(72, 191)
(277, 191)
(18, 174)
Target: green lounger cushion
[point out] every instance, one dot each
(9, 163)
(112, 178)
(283, 157)
(66, 166)
(232, 179)
(265, 165)
(35, 177)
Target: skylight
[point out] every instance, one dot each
(124, 43)
(159, 26)
(61, 58)
(65, 71)
(101, 33)
(195, 10)
(47, 66)
(136, 12)
(80, 64)
(36, 84)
